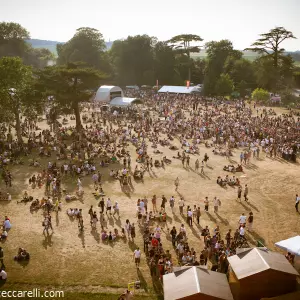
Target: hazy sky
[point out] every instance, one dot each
(238, 20)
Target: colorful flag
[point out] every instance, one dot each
(187, 83)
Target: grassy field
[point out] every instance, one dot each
(84, 267)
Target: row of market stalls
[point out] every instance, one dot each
(254, 274)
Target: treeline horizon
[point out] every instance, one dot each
(142, 60)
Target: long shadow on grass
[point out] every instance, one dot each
(47, 242)
(81, 236)
(246, 207)
(144, 284)
(96, 235)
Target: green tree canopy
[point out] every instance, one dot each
(217, 55)
(224, 85)
(270, 43)
(17, 92)
(87, 46)
(132, 58)
(185, 44)
(70, 85)
(260, 94)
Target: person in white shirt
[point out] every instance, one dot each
(3, 275)
(137, 256)
(181, 205)
(216, 204)
(108, 205)
(242, 232)
(172, 201)
(116, 209)
(242, 219)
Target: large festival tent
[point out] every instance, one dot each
(196, 283)
(124, 101)
(107, 92)
(291, 245)
(179, 89)
(258, 272)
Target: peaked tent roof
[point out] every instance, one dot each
(291, 245)
(179, 89)
(187, 282)
(251, 261)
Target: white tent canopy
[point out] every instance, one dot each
(291, 245)
(107, 92)
(122, 101)
(179, 89)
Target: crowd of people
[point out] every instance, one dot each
(103, 142)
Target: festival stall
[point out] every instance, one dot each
(257, 272)
(196, 283)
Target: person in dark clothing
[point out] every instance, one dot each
(173, 233)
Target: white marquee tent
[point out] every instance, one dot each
(179, 89)
(107, 92)
(291, 245)
(123, 101)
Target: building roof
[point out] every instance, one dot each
(179, 89)
(291, 245)
(187, 282)
(252, 261)
(122, 101)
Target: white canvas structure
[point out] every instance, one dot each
(179, 89)
(122, 101)
(106, 92)
(291, 245)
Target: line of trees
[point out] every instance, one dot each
(83, 64)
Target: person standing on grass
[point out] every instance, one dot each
(190, 217)
(116, 209)
(246, 191)
(176, 183)
(172, 202)
(173, 233)
(163, 202)
(242, 220)
(108, 205)
(206, 204)
(198, 215)
(137, 256)
(297, 202)
(216, 204)
(181, 205)
(101, 204)
(250, 221)
(202, 167)
(239, 196)
(94, 220)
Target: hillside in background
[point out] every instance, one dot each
(51, 45)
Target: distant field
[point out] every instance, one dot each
(247, 54)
